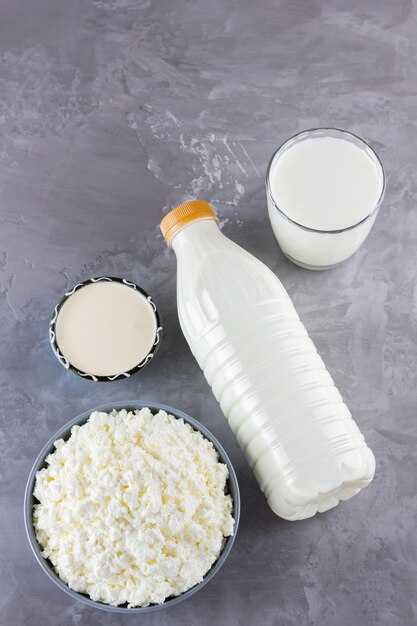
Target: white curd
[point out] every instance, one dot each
(132, 508)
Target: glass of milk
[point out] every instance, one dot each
(324, 189)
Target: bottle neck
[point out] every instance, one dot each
(198, 232)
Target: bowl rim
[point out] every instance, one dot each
(96, 377)
(129, 405)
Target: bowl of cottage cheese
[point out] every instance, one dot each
(132, 507)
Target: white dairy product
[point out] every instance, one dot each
(105, 328)
(132, 507)
(298, 435)
(324, 180)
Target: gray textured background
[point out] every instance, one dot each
(112, 111)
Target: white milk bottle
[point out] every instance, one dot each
(299, 437)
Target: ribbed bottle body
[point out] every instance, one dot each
(298, 435)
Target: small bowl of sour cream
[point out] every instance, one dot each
(105, 329)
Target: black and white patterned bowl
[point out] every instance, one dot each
(64, 361)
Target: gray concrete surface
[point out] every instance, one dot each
(111, 111)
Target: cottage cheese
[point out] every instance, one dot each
(132, 507)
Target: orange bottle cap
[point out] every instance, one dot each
(184, 213)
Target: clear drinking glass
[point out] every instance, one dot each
(313, 248)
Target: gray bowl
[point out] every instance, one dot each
(64, 433)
